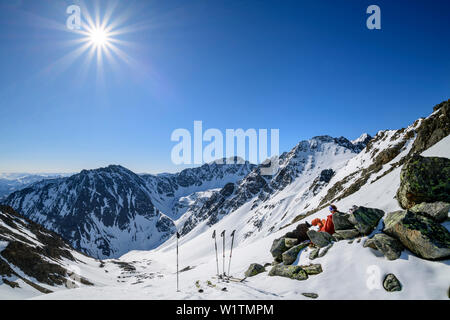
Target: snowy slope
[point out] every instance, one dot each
(35, 261)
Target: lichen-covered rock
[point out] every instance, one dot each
(278, 247)
(419, 233)
(389, 246)
(346, 234)
(292, 272)
(439, 210)
(314, 254)
(290, 255)
(341, 222)
(365, 219)
(290, 242)
(424, 179)
(312, 269)
(254, 269)
(320, 239)
(391, 283)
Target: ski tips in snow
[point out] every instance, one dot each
(232, 234)
(214, 234)
(222, 234)
(178, 235)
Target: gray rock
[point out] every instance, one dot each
(346, 234)
(314, 254)
(292, 272)
(290, 242)
(391, 283)
(310, 295)
(320, 239)
(290, 255)
(365, 219)
(424, 179)
(437, 210)
(325, 250)
(312, 269)
(419, 233)
(341, 222)
(389, 246)
(254, 269)
(278, 247)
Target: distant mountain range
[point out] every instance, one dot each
(109, 211)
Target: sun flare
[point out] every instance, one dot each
(99, 37)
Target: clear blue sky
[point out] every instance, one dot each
(305, 67)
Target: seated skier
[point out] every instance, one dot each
(326, 225)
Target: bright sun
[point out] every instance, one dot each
(98, 37)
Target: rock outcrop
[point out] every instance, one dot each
(389, 246)
(320, 239)
(391, 283)
(365, 219)
(346, 234)
(292, 272)
(419, 233)
(254, 269)
(277, 249)
(424, 179)
(290, 255)
(341, 221)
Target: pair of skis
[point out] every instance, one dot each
(222, 235)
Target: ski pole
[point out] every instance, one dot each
(217, 257)
(178, 290)
(231, 252)
(223, 236)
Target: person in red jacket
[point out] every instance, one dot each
(326, 225)
(329, 225)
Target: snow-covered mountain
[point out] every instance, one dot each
(109, 211)
(169, 191)
(309, 166)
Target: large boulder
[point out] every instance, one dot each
(365, 219)
(290, 255)
(346, 234)
(389, 246)
(341, 222)
(320, 239)
(391, 283)
(254, 269)
(437, 210)
(292, 272)
(419, 233)
(424, 179)
(278, 247)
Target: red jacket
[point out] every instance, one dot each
(329, 225)
(324, 225)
